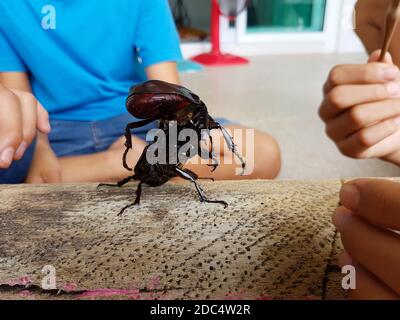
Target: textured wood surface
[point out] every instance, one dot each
(275, 240)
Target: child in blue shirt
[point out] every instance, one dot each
(77, 60)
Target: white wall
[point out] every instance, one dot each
(347, 39)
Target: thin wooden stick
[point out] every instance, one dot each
(391, 23)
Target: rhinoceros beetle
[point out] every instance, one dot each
(161, 101)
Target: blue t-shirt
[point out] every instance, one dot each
(82, 55)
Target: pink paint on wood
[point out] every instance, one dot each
(154, 283)
(22, 281)
(70, 286)
(109, 293)
(235, 295)
(262, 297)
(26, 293)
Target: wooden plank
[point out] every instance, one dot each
(275, 240)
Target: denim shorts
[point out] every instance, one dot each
(74, 138)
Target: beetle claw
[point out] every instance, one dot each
(124, 162)
(214, 167)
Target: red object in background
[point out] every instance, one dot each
(216, 57)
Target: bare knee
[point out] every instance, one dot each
(267, 157)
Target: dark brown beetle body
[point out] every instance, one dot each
(162, 100)
(165, 102)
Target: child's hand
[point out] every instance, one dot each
(45, 167)
(21, 115)
(361, 109)
(367, 223)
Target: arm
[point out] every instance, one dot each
(158, 50)
(370, 19)
(370, 26)
(15, 80)
(165, 71)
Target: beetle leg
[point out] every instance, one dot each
(137, 200)
(128, 137)
(207, 178)
(119, 183)
(124, 209)
(211, 153)
(232, 146)
(191, 176)
(128, 145)
(122, 183)
(138, 193)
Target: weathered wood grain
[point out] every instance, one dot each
(275, 240)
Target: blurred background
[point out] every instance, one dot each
(291, 46)
(273, 26)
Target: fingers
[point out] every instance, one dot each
(368, 287)
(361, 108)
(343, 97)
(371, 73)
(373, 248)
(376, 201)
(374, 57)
(43, 123)
(370, 212)
(362, 116)
(34, 117)
(349, 85)
(21, 115)
(28, 106)
(10, 127)
(362, 143)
